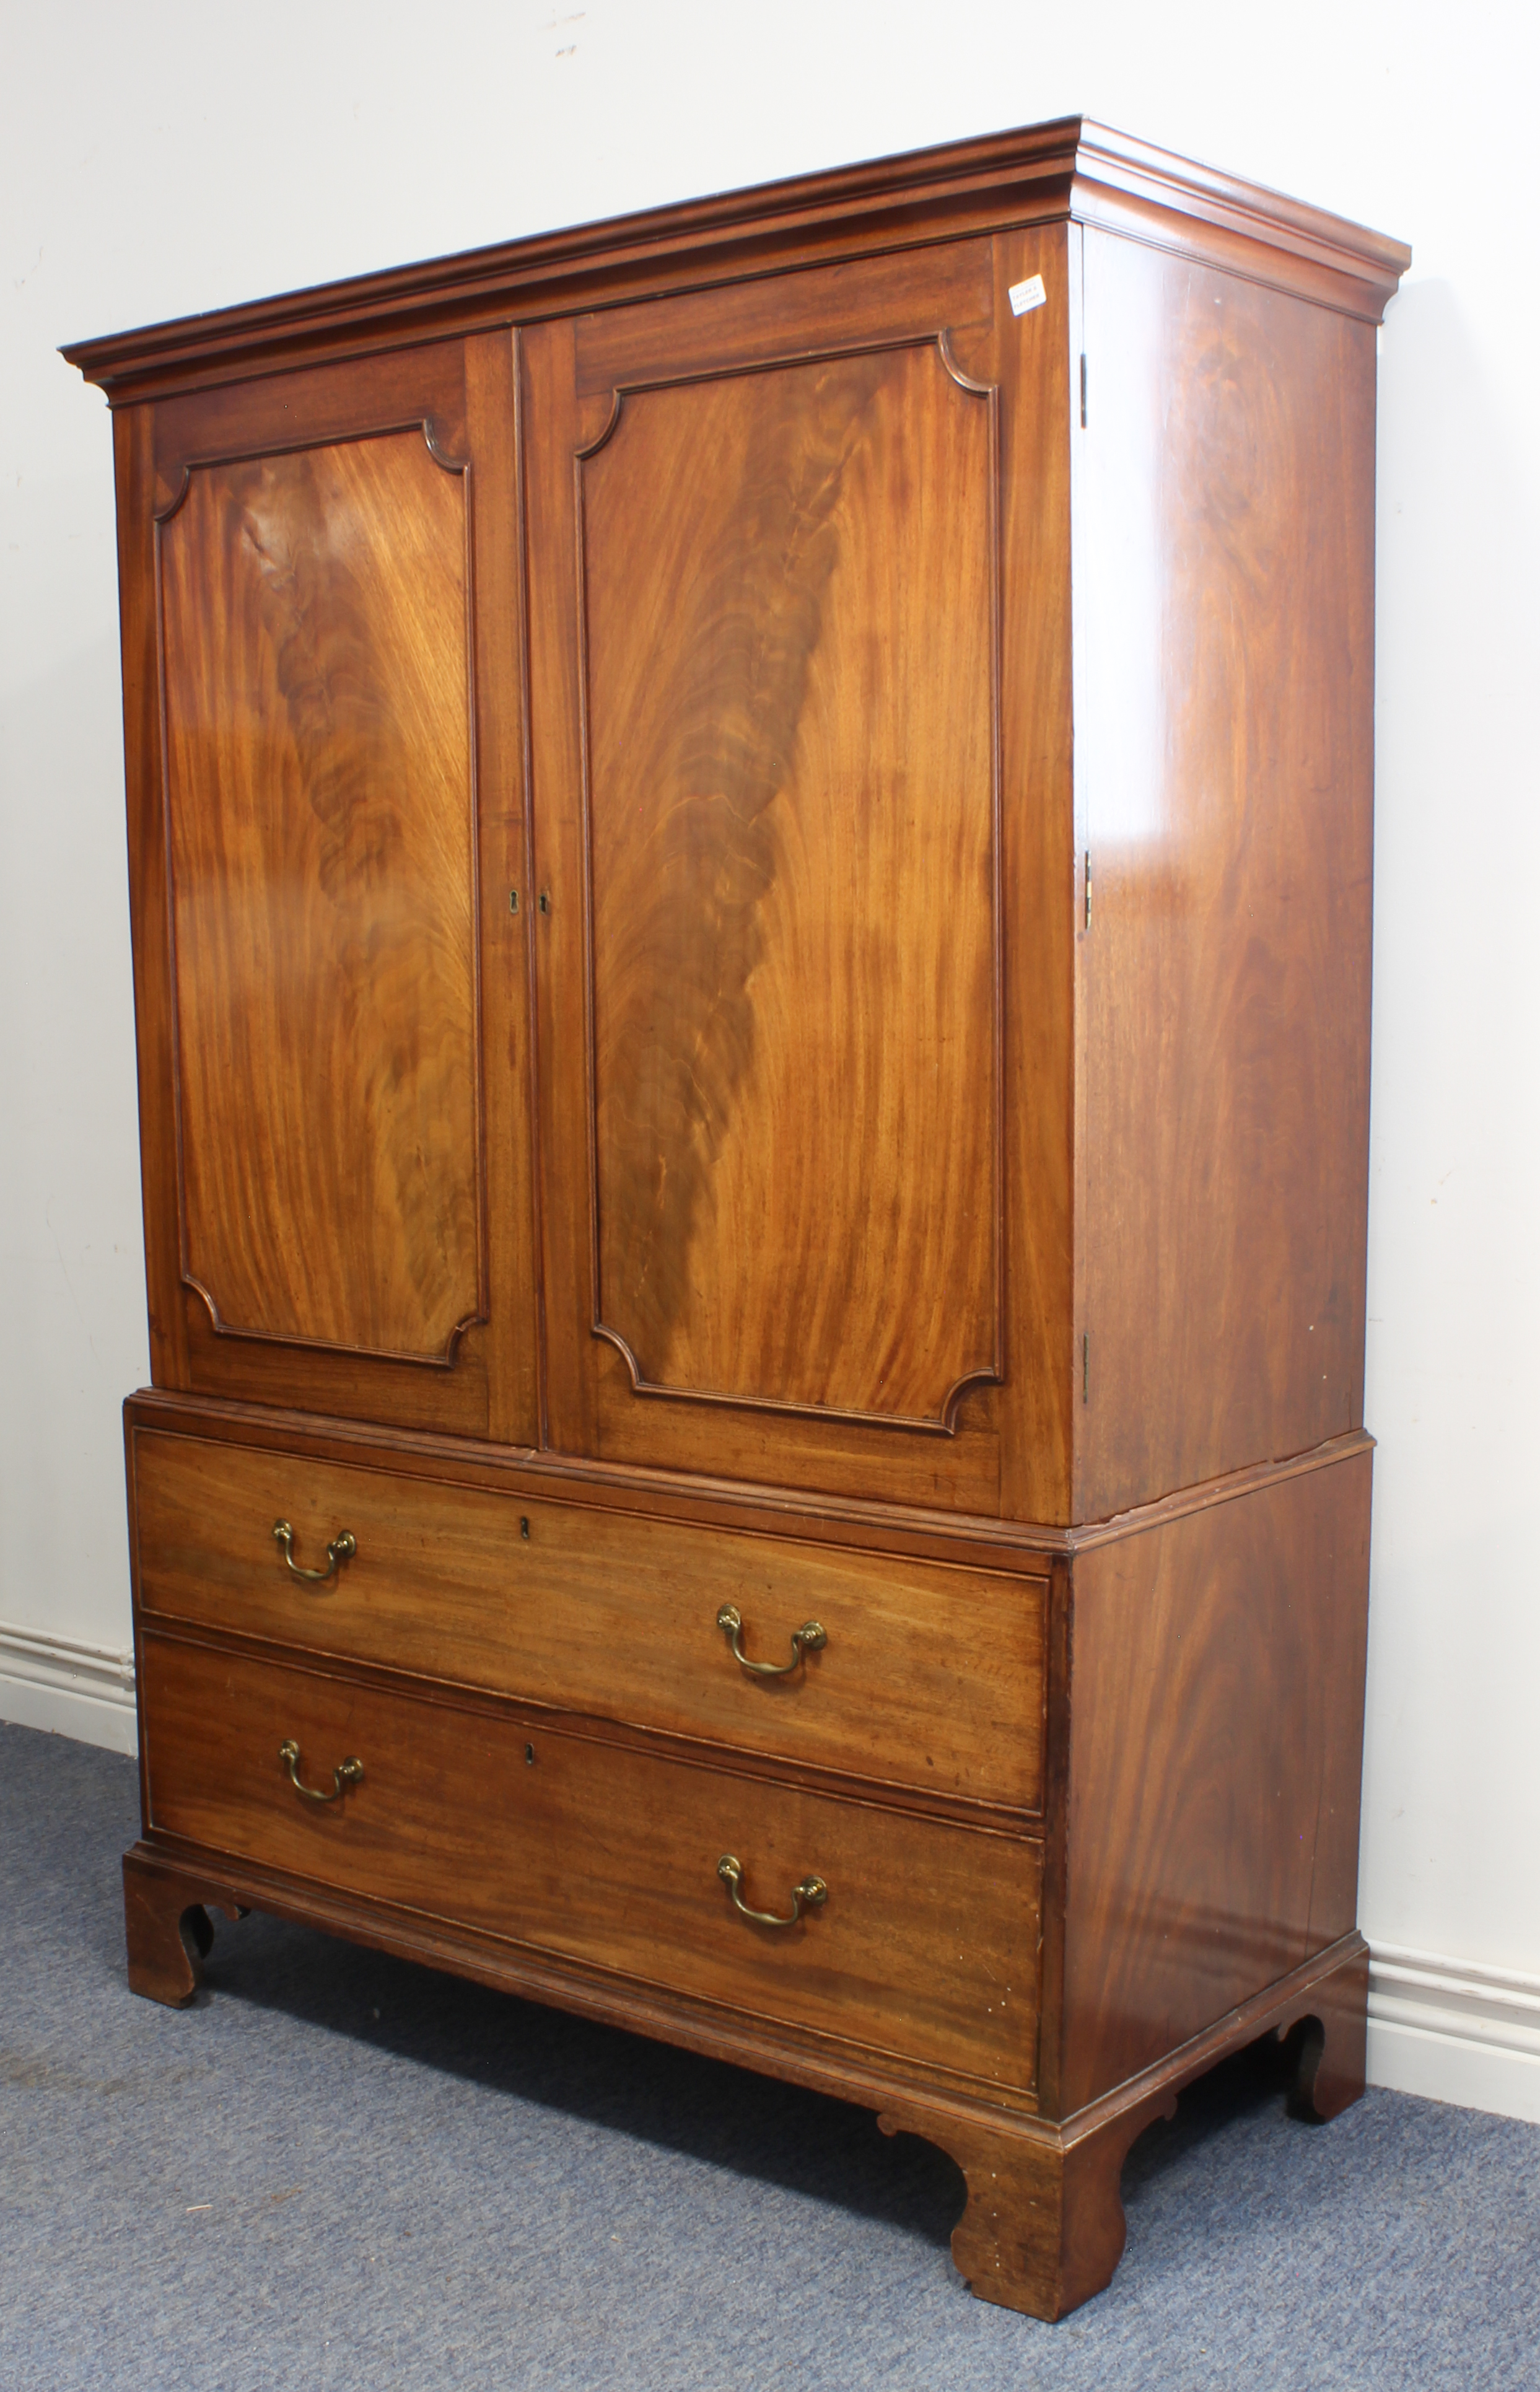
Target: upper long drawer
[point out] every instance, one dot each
(930, 1676)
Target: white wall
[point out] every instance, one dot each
(166, 157)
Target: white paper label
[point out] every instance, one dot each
(1030, 294)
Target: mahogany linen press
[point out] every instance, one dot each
(750, 839)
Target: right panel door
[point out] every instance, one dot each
(768, 566)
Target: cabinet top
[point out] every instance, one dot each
(1072, 169)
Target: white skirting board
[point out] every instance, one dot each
(84, 1691)
(1444, 2028)
(1454, 2032)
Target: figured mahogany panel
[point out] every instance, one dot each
(1005, 1445)
(789, 596)
(1216, 1729)
(321, 837)
(929, 1677)
(606, 1854)
(1225, 560)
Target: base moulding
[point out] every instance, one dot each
(1451, 2031)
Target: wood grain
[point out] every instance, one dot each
(168, 1929)
(901, 296)
(511, 1342)
(1020, 1429)
(318, 792)
(1225, 559)
(138, 614)
(1032, 359)
(1044, 2227)
(791, 800)
(1215, 1742)
(1331, 2042)
(691, 1499)
(558, 859)
(932, 1677)
(593, 1404)
(610, 1856)
(461, 398)
(971, 1539)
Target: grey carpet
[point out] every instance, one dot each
(339, 2170)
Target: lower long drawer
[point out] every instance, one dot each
(926, 1946)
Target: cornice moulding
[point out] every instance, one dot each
(1072, 168)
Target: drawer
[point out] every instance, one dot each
(932, 1676)
(607, 1855)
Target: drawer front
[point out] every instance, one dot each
(931, 1676)
(606, 1854)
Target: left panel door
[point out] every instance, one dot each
(323, 699)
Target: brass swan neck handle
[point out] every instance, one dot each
(811, 1892)
(347, 1773)
(343, 1545)
(811, 1637)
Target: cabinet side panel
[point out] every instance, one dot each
(1216, 1744)
(1224, 554)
